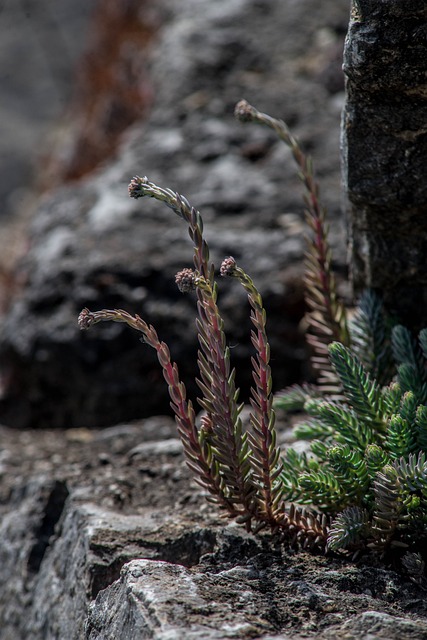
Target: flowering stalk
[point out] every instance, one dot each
(230, 448)
(327, 315)
(140, 187)
(265, 454)
(239, 469)
(197, 451)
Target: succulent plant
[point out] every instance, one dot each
(363, 483)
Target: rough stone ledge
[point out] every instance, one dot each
(159, 600)
(113, 540)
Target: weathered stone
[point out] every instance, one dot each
(59, 550)
(93, 246)
(100, 538)
(381, 626)
(385, 150)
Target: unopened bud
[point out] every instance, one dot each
(134, 187)
(228, 267)
(186, 280)
(244, 112)
(85, 319)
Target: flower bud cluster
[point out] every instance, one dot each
(186, 280)
(134, 188)
(228, 267)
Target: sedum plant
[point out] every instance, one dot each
(363, 482)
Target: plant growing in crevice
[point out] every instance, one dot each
(365, 476)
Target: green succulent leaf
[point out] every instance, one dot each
(347, 528)
(293, 465)
(421, 427)
(411, 363)
(362, 392)
(376, 459)
(370, 337)
(345, 425)
(392, 396)
(323, 489)
(320, 450)
(350, 467)
(400, 439)
(311, 429)
(422, 339)
(295, 397)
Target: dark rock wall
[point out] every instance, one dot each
(385, 150)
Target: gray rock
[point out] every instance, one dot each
(93, 246)
(40, 43)
(53, 577)
(372, 625)
(161, 600)
(97, 541)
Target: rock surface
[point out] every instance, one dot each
(92, 246)
(386, 67)
(104, 535)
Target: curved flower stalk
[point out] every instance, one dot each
(227, 447)
(326, 317)
(140, 187)
(198, 454)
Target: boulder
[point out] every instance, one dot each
(90, 245)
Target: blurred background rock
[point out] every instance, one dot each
(95, 92)
(40, 45)
(68, 90)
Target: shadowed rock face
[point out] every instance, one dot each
(385, 64)
(92, 246)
